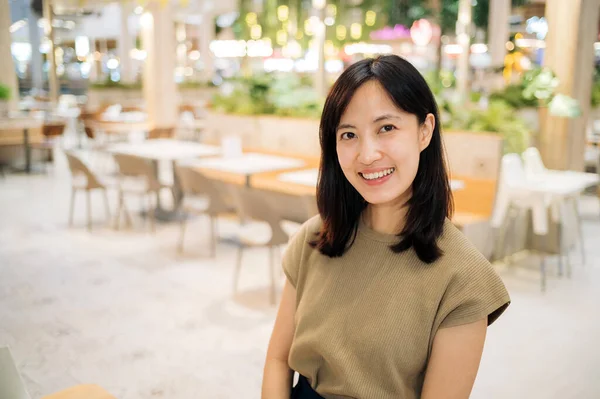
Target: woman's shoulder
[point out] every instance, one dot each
(458, 251)
(309, 229)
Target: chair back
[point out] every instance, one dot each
(11, 384)
(534, 165)
(79, 168)
(53, 129)
(161, 133)
(132, 166)
(257, 205)
(195, 183)
(512, 171)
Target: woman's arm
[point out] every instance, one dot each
(277, 378)
(454, 361)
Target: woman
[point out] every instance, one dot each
(384, 297)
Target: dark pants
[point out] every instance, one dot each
(303, 390)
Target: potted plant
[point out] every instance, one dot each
(4, 98)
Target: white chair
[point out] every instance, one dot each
(11, 384)
(514, 197)
(567, 206)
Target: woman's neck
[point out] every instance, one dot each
(385, 219)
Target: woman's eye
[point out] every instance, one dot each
(347, 136)
(387, 128)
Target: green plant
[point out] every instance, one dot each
(513, 96)
(499, 117)
(5, 93)
(596, 90)
(283, 94)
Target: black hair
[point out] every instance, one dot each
(340, 205)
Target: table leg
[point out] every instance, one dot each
(27, 150)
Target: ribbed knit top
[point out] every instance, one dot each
(365, 321)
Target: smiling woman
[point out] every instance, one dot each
(384, 297)
(381, 117)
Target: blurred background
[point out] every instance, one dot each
(156, 156)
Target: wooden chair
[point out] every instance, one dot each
(84, 180)
(161, 133)
(52, 132)
(87, 391)
(201, 196)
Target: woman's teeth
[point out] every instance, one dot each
(377, 175)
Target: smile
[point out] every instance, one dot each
(377, 175)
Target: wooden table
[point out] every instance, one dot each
(304, 182)
(24, 124)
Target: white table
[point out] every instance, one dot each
(309, 177)
(247, 164)
(166, 150)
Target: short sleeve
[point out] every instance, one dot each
(293, 255)
(473, 293)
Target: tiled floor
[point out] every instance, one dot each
(125, 311)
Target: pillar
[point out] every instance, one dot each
(8, 74)
(126, 43)
(52, 77)
(572, 31)
(498, 30)
(463, 36)
(158, 39)
(36, 67)
(207, 35)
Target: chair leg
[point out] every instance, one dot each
(119, 210)
(182, 225)
(89, 209)
(213, 236)
(273, 293)
(72, 206)
(543, 272)
(152, 212)
(238, 266)
(561, 247)
(106, 205)
(579, 230)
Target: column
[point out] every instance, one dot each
(158, 39)
(92, 59)
(498, 30)
(207, 35)
(125, 44)
(36, 67)
(572, 31)
(52, 77)
(8, 74)
(463, 36)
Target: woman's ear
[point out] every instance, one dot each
(426, 131)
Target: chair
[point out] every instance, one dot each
(200, 196)
(85, 391)
(161, 133)
(513, 196)
(256, 205)
(51, 131)
(137, 176)
(536, 170)
(84, 180)
(11, 384)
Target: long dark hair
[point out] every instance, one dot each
(340, 205)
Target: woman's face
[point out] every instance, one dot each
(379, 146)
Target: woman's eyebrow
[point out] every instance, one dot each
(385, 116)
(346, 126)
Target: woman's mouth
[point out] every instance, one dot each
(376, 178)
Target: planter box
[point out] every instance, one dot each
(273, 133)
(131, 97)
